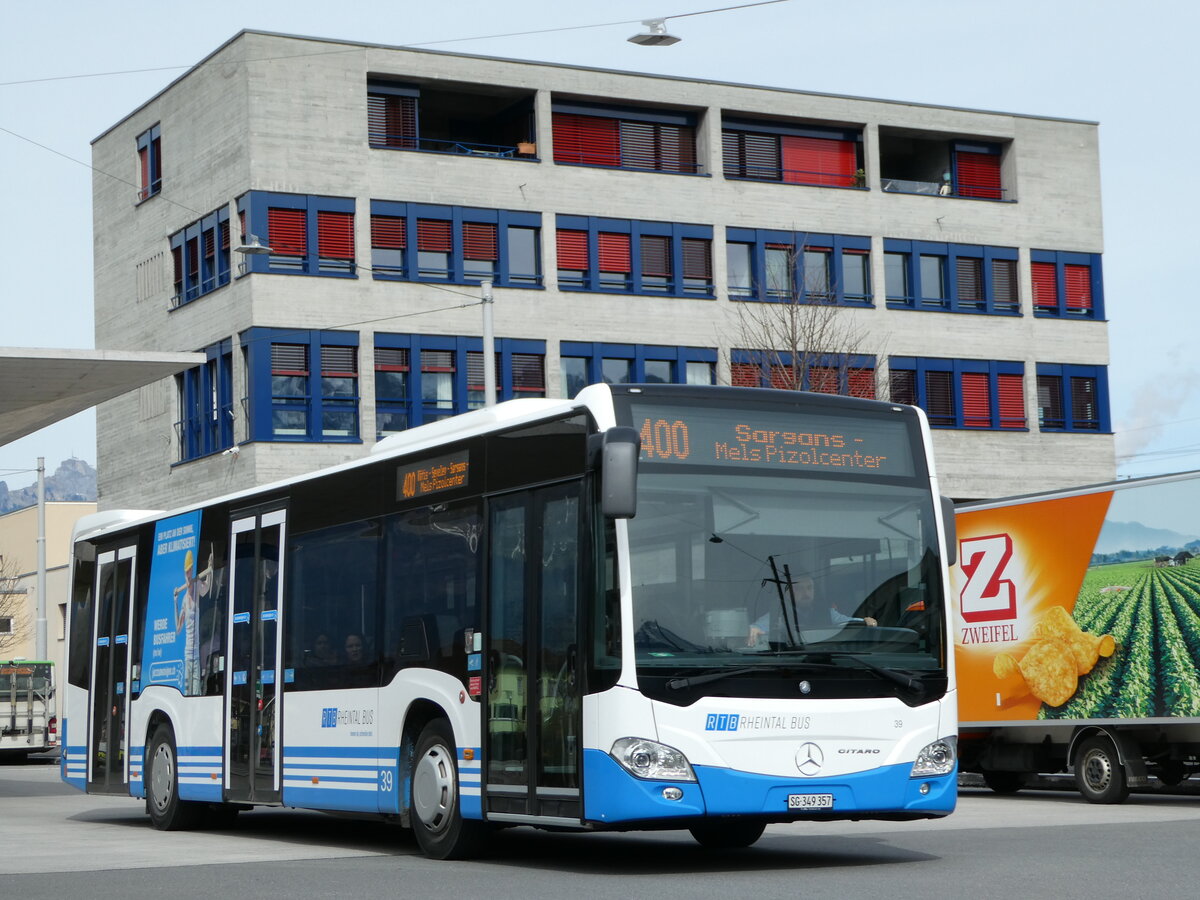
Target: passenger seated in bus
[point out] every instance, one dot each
(354, 648)
(322, 652)
(810, 613)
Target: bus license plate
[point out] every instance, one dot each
(810, 801)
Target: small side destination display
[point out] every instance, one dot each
(773, 439)
(444, 473)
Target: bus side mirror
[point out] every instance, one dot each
(950, 530)
(619, 449)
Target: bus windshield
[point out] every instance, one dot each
(743, 567)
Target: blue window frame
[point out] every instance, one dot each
(1067, 285)
(420, 378)
(961, 278)
(961, 393)
(798, 266)
(1073, 398)
(205, 423)
(301, 385)
(453, 244)
(851, 375)
(200, 257)
(633, 257)
(584, 363)
(308, 235)
(149, 150)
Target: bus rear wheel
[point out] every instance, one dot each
(731, 835)
(437, 821)
(167, 811)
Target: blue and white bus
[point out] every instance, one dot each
(583, 614)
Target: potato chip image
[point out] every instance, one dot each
(1050, 670)
(1056, 623)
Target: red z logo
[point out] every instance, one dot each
(987, 597)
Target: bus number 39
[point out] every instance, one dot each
(665, 440)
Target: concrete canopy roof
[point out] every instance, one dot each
(40, 387)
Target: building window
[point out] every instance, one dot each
(792, 154)
(851, 375)
(961, 393)
(1072, 398)
(1066, 285)
(6, 625)
(632, 257)
(657, 140)
(491, 121)
(976, 171)
(586, 363)
(149, 151)
(454, 244)
(301, 385)
(963, 278)
(308, 235)
(785, 265)
(910, 163)
(205, 423)
(423, 378)
(200, 257)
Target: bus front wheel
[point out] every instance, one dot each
(167, 811)
(437, 821)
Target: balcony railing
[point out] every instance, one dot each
(526, 150)
(942, 189)
(795, 176)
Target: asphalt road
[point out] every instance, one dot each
(58, 843)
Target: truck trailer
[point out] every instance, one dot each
(1077, 635)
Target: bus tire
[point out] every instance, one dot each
(437, 821)
(1099, 774)
(167, 811)
(727, 835)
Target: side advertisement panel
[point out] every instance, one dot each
(171, 652)
(1084, 607)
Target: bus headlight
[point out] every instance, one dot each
(652, 760)
(937, 758)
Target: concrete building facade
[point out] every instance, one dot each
(628, 223)
(18, 578)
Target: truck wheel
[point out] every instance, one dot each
(732, 835)
(167, 811)
(1099, 775)
(437, 821)
(1005, 782)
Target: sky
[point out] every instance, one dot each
(71, 70)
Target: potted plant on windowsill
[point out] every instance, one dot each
(859, 179)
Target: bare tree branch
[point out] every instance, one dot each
(14, 606)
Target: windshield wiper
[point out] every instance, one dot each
(903, 677)
(678, 684)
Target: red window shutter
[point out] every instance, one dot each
(193, 257)
(391, 121)
(434, 235)
(613, 250)
(388, 232)
(287, 232)
(289, 359)
(697, 258)
(809, 160)
(177, 261)
(572, 249)
(224, 235)
(144, 162)
(978, 175)
(862, 383)
(339, 362)
(210, 245)
(975, 400)
(335, 235)
(592, 140)
(745, 375)
(823, 379)
(391, 359)
(1078, 283)
(1010, 391)
(479, 240)
(656, 256)
(1045, 285)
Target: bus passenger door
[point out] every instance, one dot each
(253, 685)
(532, 750)
(108, 738)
